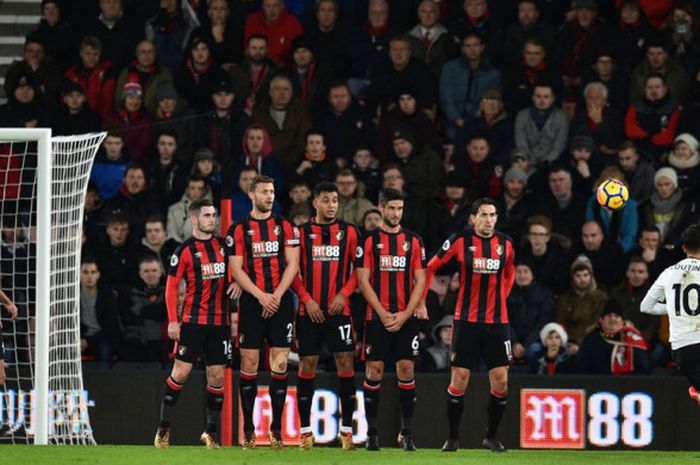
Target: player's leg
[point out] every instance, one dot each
(407, 346)
(337, 332)
(218, 346)
(407, 400)
(249, 340)
(173, 387)
(464, 356)
(345, 365)
(377, 343)
(688, 360)
(309, 345)
(215, 402)
(279, 336)
(497, 355)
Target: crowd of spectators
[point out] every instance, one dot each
(530, 102)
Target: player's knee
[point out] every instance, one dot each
(405, 370)
(344, 362)
(308, 365)
(374, 372)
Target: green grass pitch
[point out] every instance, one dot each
(133, 455)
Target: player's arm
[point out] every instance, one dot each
(313, 309)
(179, 263)
(370, 296)
(442, 257)
(340, 299)
(654, 301)
(413, 302)
(509, 271)
(9, 305)
(241, 277)
(291, 255)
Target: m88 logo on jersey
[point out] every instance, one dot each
(486, 265)
(325, 253)
(264, 249)
(213, 270)
(392, 263)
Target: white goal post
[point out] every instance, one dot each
(51, 194)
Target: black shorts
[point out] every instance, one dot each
(253, 329)
(336, 330)
(473, 341)
(688, 361)
(403, 344)
(212, 342)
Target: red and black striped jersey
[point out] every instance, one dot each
(262, 243)
(327, 252)
(486, 274)
(392, 259)
(202, 263)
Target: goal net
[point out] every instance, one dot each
(43, 182)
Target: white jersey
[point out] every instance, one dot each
(676, 292)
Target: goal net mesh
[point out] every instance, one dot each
(72, 157)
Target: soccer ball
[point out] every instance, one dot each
(612, 194)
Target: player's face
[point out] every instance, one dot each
(392, 213)
(151, 273)
(326, 206)
(205, 221)
(263, 197)
(637, 273)
(89, 275)
(484, 220)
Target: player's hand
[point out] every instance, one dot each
(269, 305)
(387, 318)
(174, 331)
(12, 310)
(338, 304)
(399, 320)
(421, 311)
(314, 311)
(234, 291)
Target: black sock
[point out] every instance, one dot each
(170, 398)
(249, 391)
(496, 408)
(215, 401)
(372, 390)
(305, 395)
(455, 406)
(347, 399)
(278, 394)
(407, 399)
